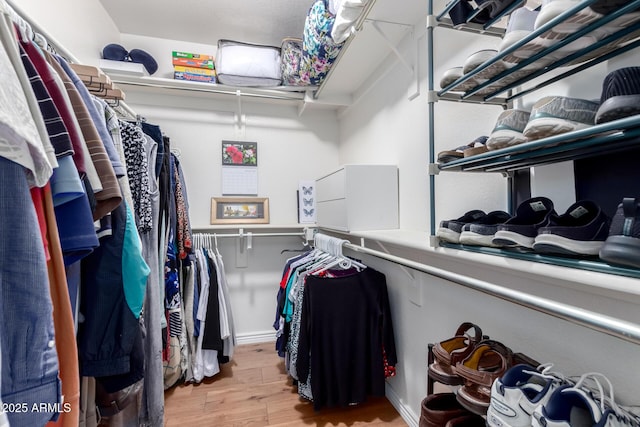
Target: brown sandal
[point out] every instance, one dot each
(488, 362)
(449, 352)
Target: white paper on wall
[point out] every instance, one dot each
(239, 180)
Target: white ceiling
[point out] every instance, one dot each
(207, 21)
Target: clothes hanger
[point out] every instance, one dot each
(215, 241)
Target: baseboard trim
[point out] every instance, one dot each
(405, 412)
(256, 337)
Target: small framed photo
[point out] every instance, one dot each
(239, 210)
(239, 153)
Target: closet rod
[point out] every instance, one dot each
(618, 328)
(247, 234)
(59, 48)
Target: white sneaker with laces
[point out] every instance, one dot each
(519, 392)
(580, 405)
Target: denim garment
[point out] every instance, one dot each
(30, 361)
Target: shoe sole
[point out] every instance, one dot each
(475, 239)
(448, 235)
(504, 138)
(475, 151)
(471, 403)
(443, 377)
(552, 243)
(618, 107)
(511, 239)
(544, 127)
(623, 250)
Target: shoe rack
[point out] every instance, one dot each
(499, 87)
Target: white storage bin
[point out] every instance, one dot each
(358, 197)
(247, 64)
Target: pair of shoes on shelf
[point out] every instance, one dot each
(473, 361)
(522, 388)
(549, 116)
(551, 9)
(472, 62)
(477, 146)
(488, 362)
(580, 231)
(449, 352)
(527, 396)
(472, 228)
(443, 410)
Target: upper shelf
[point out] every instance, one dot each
(497, 78)
(281, 92)
(609, 137)
(381, 26)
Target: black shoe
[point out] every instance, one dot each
(623, 244)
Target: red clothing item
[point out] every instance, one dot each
(37, 196)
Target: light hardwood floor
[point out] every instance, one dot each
(254, 390)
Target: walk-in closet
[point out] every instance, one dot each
(320, 212)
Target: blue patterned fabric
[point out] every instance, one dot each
(319, 51)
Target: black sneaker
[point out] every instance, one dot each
(623, 244)
(522, 229)
(582, 230)
(450, 230)
(620, 95)
(481, 233)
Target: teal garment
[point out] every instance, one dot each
(288, 304)
(134, 268)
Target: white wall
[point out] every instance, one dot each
(396, 132)
(290, 148)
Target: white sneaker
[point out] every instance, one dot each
(580, 405)
(519, 392)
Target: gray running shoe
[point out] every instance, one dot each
(553, 115)
(508, 129)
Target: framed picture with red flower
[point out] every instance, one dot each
(240, 210)
(239, 153)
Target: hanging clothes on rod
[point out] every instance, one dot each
(94, 193)
(334, 326)
(210, 331)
